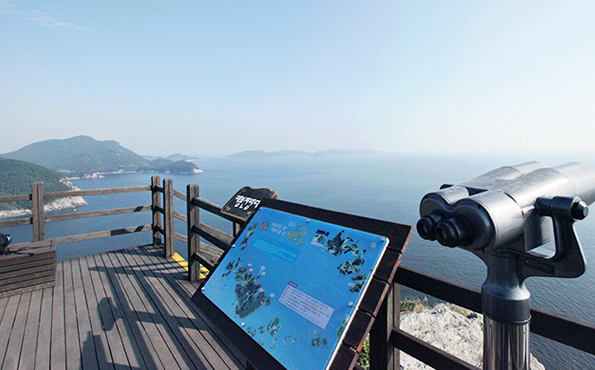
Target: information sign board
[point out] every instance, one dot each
(293, 283)
(246, 201)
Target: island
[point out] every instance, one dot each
(85, 157)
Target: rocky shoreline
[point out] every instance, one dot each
(75, 202)
(452, 329)
(55, 205)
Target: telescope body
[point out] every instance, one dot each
(502, 216)
(498, 208)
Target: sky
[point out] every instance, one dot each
(211, 78)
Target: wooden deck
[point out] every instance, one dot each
(129, 309)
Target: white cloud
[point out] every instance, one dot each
(42, 18)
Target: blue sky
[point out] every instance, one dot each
(219, 77)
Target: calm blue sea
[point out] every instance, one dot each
(387, 187)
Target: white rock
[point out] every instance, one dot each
(54, 205)
(445, 328)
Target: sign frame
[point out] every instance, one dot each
(364, 314)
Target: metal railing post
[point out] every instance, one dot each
(168, 217)
(193, 214)
(38, 211)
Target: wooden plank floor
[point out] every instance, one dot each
(129, 309)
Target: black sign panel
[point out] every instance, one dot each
(246, 201)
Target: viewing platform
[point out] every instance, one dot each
(132, 308)
(128, 309)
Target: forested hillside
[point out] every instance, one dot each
(81, 155)
(16, 178)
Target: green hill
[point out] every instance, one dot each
(82, 155)
(179, 167)
(16, 178)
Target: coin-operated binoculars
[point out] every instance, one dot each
(502, 217)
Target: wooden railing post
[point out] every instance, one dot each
(383, 355)
(155, 205)
(237, 227)
(193, 214)
(168, 217)
(38, 211)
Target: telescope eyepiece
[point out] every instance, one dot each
(450, 231)
(425, 227)
(453, 232)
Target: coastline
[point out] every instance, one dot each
(100, 175)
(78, 201)
(55, 205)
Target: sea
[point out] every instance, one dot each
(382, 186)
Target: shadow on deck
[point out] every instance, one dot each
(128, 309)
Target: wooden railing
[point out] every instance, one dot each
(38, 218)
(563, 329)
(386, 339)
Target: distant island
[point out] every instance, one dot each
(174, 157)
(83, 156)
(297, 153)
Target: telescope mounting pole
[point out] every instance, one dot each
(507, 314)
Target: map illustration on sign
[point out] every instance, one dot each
(293, 284)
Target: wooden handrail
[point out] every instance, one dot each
(16, 222)
(215, 236)
(566, 330)
(212, 208)
(84, 193)
(15, 198)
(563, 329)
(428, 354)
(102, 234)
(107, 212)
(440, 288)
(572, 332)
(181, 237)
(208, 265)
(180, 216)
(38, 218)
(179, 195)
